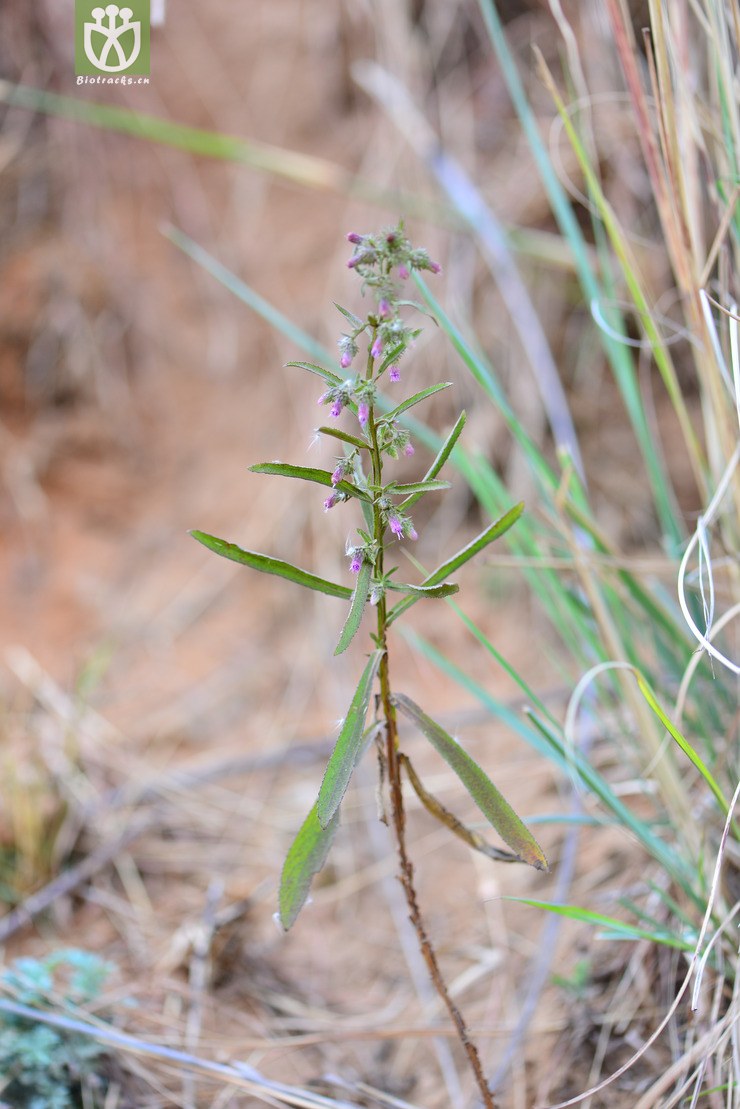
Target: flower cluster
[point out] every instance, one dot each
(383, 261)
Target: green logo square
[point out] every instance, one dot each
(110, 40)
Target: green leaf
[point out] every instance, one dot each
(476, 545)
(419, 487)
(618, 928)
(305, 859)
(416, 399)
(433, 591)
(356, 322)
(491, 803)
(309, 473)
(320, 371)
(344, 436)
(442, 456)
(268, 565)
(347, 748)
(356, 608)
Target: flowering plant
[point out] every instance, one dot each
(384, 262)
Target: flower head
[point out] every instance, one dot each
(330, 501)
(353, 237)
(338, 474)
(396, 525)
(394, 374)
(384, 308)
(363, 412)
(403, 272)
(377, 348)
(336, 408)
(408, 450)
(356, 563)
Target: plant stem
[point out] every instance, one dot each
(393, 765)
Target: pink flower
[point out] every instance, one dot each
(408, 450)
(338, 474)
(353, 237)
(336, 408)
(384, 308)
(363, 413)
(411, 531)
(330, 501)
(403, 272)
(394, 374)
(396, 526)
(435, 267)
(377, 348)
(356, 564)
(345, 360)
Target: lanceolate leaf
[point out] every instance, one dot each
(320, 371)
(618, 929)
(416, 399)
(347, 748)
(305, 859)
(491, 803)
(268, 565)
(356, 609)
(420, 487)
(337, 433)
(433, 591)
(476, 545)
(349, 316)
(442, 456)
(309, 473)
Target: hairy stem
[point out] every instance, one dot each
(398, 814)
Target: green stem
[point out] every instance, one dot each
(393, 759)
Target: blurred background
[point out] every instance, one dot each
(168, 714)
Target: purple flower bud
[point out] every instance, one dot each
(435, 267)
(354, 261)
(356, 564)
(353, 237)
(411, 531)
(403, 272)
(396, 526)
(338, 474)
(330, 501)
(394, 374)
(408, 450)
(345, 360)
(384, 308)
(336, 408)
(377, 347)
(363, 412)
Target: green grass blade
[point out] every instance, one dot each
(356, 608)
(683, 743)
(491, 803)
(268, 565)
(420, 487)
(247, 295)
(618, 929)
(304, 860)
(347, 748)
(310, 473)
(497, 529)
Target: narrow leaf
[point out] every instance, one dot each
(309, 473)
(349, 316)
(337, 433)
(420, 486)
(347, 748)
(320, 371)
(268, 565)
(305, 859)
(476, 545)
(356, 608)
(416, 399)
(442, 456)
(619, 928)
(433, 591)
(491, 803)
